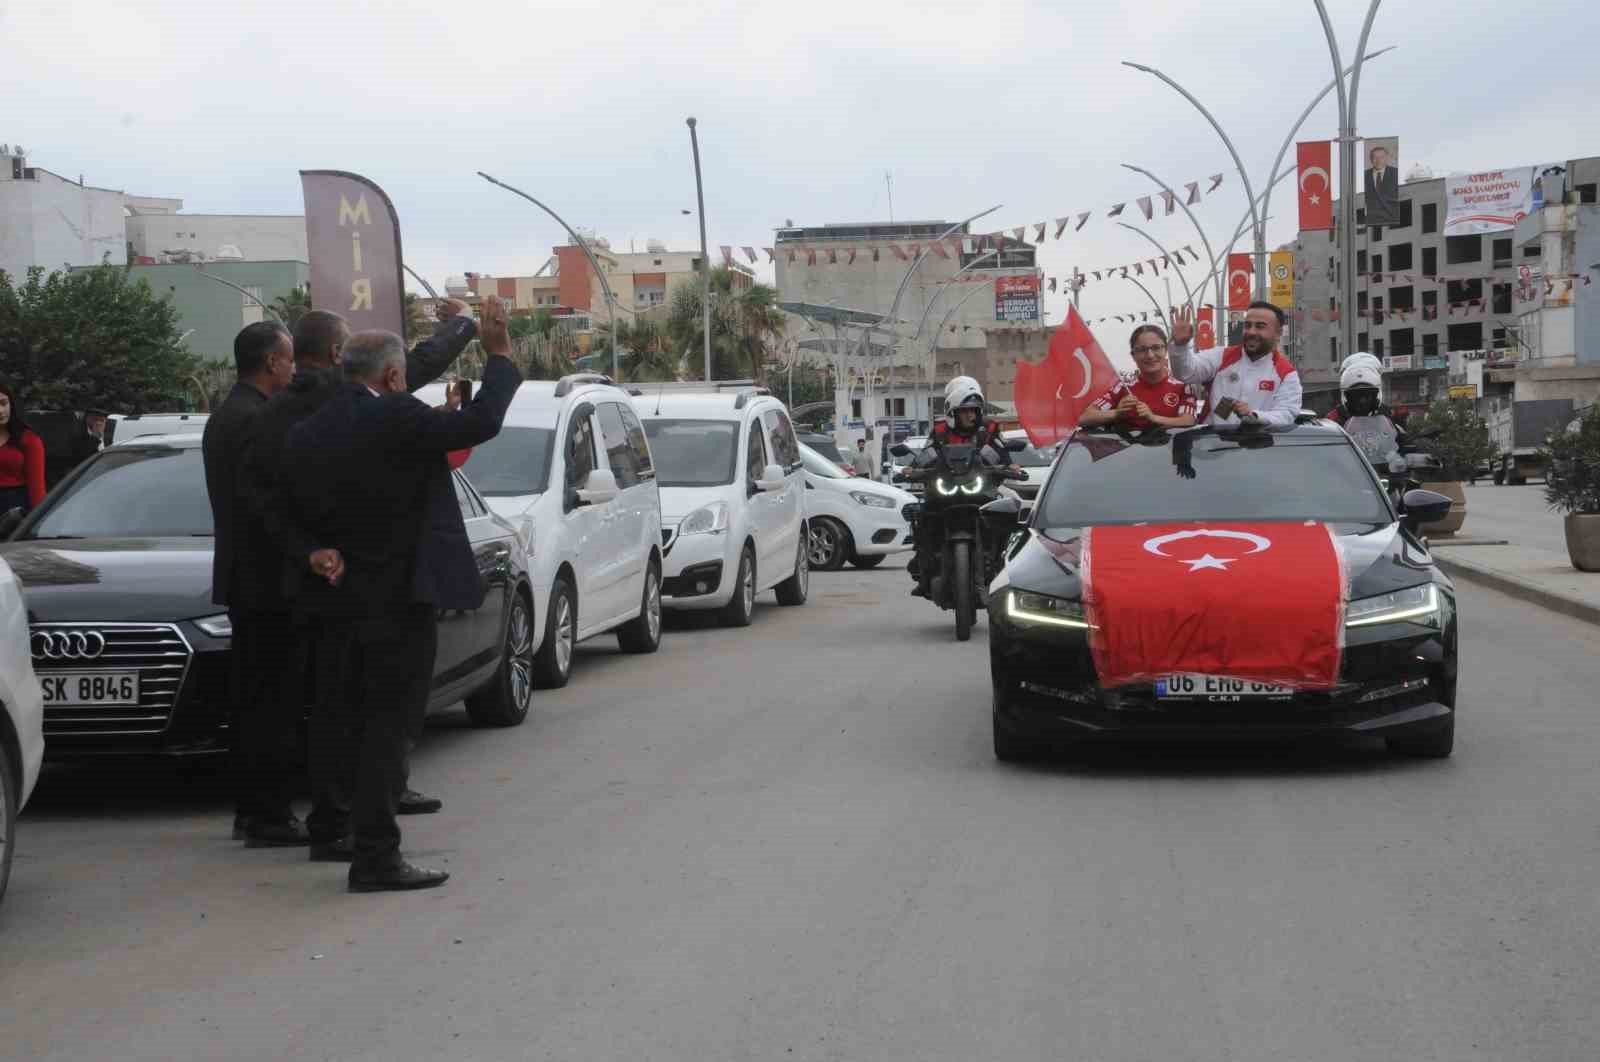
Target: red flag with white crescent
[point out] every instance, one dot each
(1168, 599)
(1052, 395)
(1205, 328)
(1312, 161)
(1241, 281)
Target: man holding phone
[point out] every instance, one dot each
(1252, 383)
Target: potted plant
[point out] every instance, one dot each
(1572, 486)
(1462, 443)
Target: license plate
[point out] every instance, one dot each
(1186, 685)
(82, 689)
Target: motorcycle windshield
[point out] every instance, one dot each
(1377, 438)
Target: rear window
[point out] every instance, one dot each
(132, 492)
(1104, 479)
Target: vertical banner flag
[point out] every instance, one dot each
(1241, 280)
(1052, 395)
(1313, 160)
(1280, 279)
(1205, 328)
(1381, 186)
(353, 241)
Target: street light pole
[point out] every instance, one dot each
(230, 284)
(1187, 291)
(705, 257)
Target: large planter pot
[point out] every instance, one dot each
(1583, 541)
(1458, 508)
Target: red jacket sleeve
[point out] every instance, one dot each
(33, 467)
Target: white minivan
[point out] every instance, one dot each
(572, 471)
(732, 499)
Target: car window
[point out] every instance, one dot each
(515, 462)
(693, 453)
(818, 465)
(785, 448)
(132, 492)
(580, 450)
(637, 440)
(755, 456)
(619, 452)
(1030, 457)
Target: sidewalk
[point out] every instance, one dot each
(1513, 543)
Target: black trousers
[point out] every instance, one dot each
(331, 744)
(269, 671)
(384, 673)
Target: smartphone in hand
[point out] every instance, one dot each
(1225, 408)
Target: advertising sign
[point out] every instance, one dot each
(1280, 279)
(1463, 391)
(1400, 361)
(1381, 185)
(353, 238)
(1016, 298)
(1496, 199)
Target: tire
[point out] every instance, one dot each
(642, 634)
(552, 666)
(740, 607)
(830, 544)
(10, 787)
(1434, 744)
(869, 561)
(505, 700)
(961, 589)
(795, 589)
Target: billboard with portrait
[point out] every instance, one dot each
(1381, 184)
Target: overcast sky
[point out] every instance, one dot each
(802, 106)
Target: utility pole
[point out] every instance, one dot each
(705, 258)
(888, 182)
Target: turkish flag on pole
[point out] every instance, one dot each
(1052, 395)
(1205, 328)
(1241, 281)
(1312, 160)
(1263, 602)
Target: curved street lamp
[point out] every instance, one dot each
(1188, 292)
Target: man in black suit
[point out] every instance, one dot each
(268, 675)
(368, 473)
(319, 336)
(1382, 189)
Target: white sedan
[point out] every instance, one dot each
(22, 706)
(850, 518)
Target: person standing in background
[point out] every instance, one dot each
(21, 456)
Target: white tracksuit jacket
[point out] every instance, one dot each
(1270, 385)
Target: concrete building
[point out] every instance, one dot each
(50, 221)
(158, 232)
(211, 313)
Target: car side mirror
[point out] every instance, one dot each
(11, 521)
(900, 450)
(1016, 446)
(1004, 508)
(599, 488)
(1420, 507)
(772, 478)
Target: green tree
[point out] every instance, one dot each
(415, 324)
(1463, 440)
(95, 338)
(745, 326)
(293, 306)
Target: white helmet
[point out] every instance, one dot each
(1360, 375)
(1361, 357)
(962, 391)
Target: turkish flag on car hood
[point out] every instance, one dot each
(1053, 394)
(1264, 602)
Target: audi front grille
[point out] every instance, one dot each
(157, 651)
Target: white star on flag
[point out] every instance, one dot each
(1314, 199)
(1208, 561)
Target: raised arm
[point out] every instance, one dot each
(1189, 366)
(428, 360)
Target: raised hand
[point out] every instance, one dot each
(1183, 326)
(493, 327)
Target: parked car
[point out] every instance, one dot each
(133, 655)
(826, 446)
(21, 718)
(732, 500)
(125, 427)
(894, 468)
(851, 519)
(1035, 463)
(572, 471)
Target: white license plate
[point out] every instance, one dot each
(1187, 685)
(84, 689)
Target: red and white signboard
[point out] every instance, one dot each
(1492, 201)
(1016, 298)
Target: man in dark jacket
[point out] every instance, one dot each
(368, 474)
(319, 336)
(267, 675)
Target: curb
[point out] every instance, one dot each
(1521, 589)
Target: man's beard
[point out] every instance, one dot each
(1257, 345)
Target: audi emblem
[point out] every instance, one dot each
(67, 645)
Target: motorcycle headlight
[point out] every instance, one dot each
(962, 486)
(875, 501)
(218, 626)
(1418, 604)
(707, 520)
(1043, 610)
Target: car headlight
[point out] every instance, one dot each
(1419, 604)
(964, 486)
(1026, 608)
(876, 501)
(218, 626)
(707, 520)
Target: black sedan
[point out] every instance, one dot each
(1396, 670)
(132, 654)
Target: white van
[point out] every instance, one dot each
(851, 518)
(732, 499)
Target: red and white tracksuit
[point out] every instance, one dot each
(1269, 385)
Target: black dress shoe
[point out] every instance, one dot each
(290, 833)
(412, 802)
(397, 878)
(342, 850)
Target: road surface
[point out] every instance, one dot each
(793, 842)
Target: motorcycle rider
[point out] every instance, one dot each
(1363, 415)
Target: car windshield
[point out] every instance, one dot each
(515, 462)
(818, 465)
(1029, 457)
(132, 492)
(1104, 479)
(693, 453)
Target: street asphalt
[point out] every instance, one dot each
(793, 841)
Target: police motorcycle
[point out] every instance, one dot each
(959, 544)
(1399, 458)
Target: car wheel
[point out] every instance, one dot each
(9, 788)
(870, 561)
(739, 609)
(829, 544)
(642, 634)
(552, 667)
(795, 589)
(1435, 743)
(505, 700)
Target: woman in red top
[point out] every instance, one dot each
(1150, 396)
(21, 457)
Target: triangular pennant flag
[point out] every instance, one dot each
(958, 246)
(811, 257)
(852, 256)
(791, 254)
(1146, 207)
(899, 252)
(1153, 268)
(1193, 188)
(1097, 274)
(771, 256)
(727, 255)
(1166, 261)
(1124, 272)
(750, 253)
(1171, 200)
(1138, 269)
(875, 254)
(1061, 226)
(1082, 218)
(1216, 182)
(1116, 210)
(938, 249)
(833, 256)
(1190, 248)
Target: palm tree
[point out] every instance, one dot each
(745, 325)
(293, 306)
